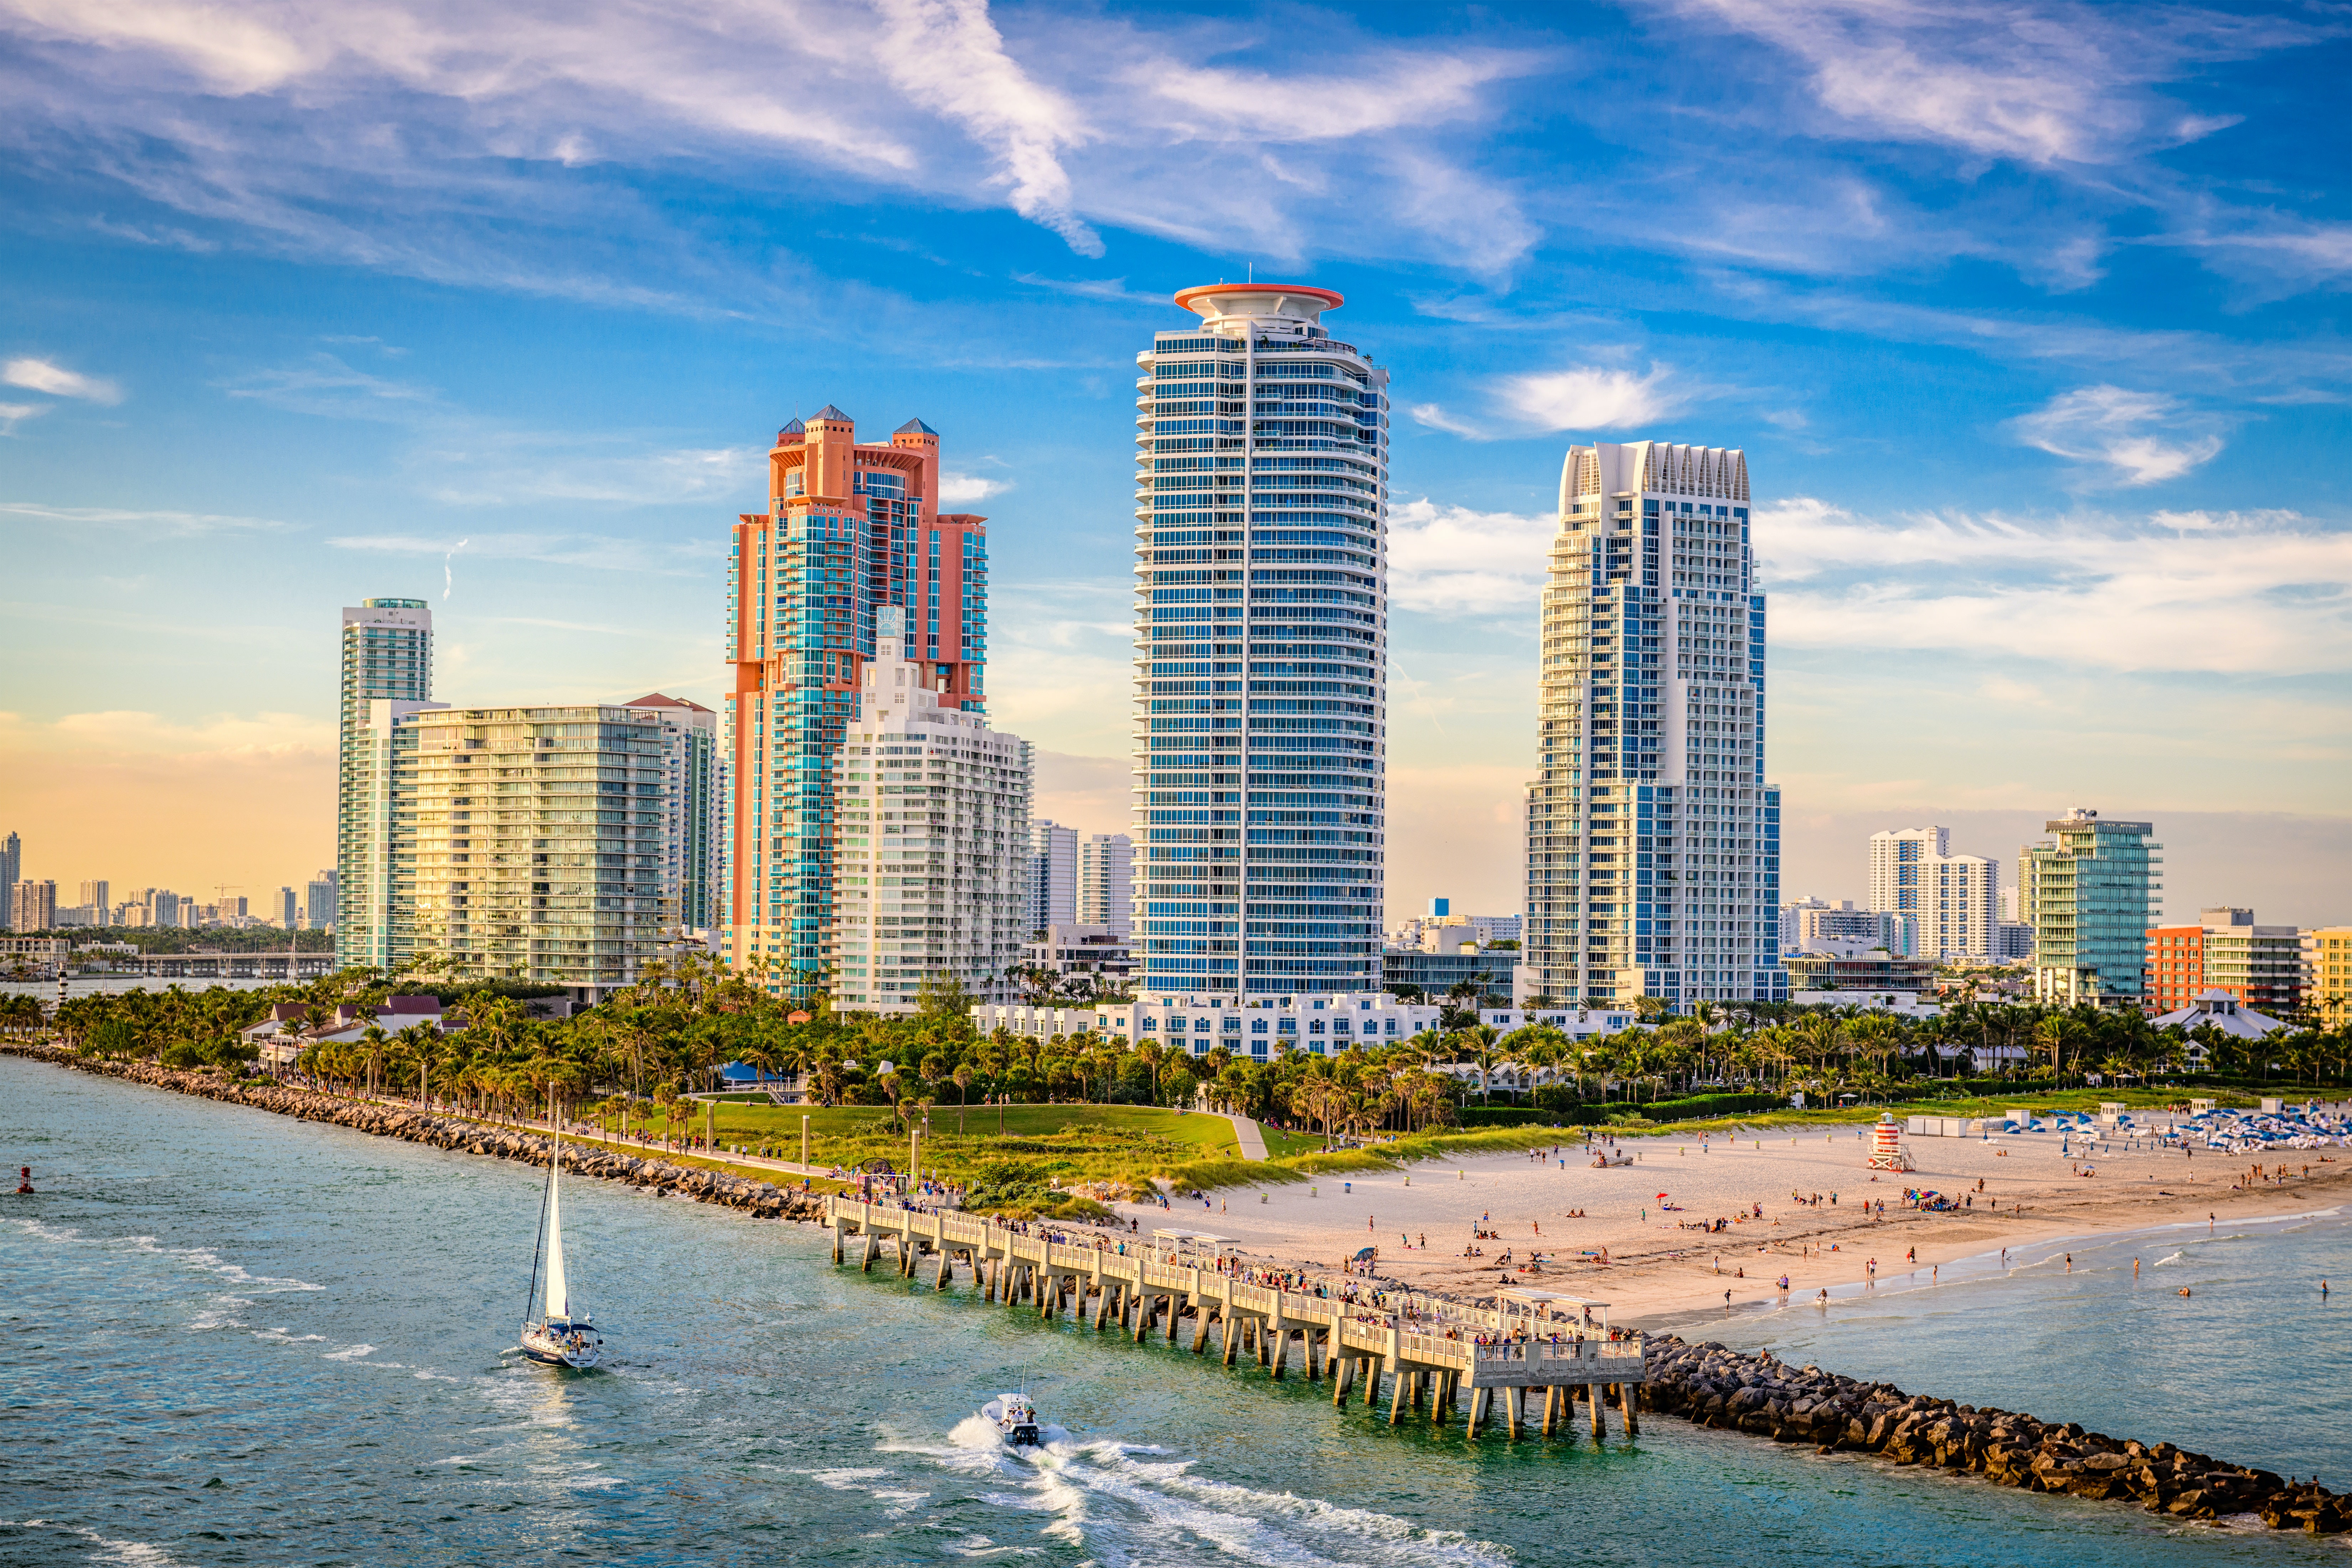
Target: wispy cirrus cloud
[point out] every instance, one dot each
(2043, 83)
(596, 552)
(47, 376)
(173, 525)
(2131, 438)
(258, 131)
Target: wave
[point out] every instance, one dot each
(1123, 1503)
(134, 1553)
(2176, 1257)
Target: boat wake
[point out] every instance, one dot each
(1127, 1504)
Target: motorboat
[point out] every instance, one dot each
(1015, 1418)
(563, 1334)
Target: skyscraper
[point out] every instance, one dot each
(2089, 893)
(689, 805)
(1261, 649)
(932, 815)
(319, 900)
(387, 674)
(1106, 881)
(286, 908)
(1953, 900)
(1051, 891)
(12, 860)
(1653, 858)
(849, 527)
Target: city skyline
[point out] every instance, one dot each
(2045, 391)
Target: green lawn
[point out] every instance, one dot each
(1030, 1146)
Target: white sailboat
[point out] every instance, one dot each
(561, 1336)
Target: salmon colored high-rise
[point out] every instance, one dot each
(850, 525)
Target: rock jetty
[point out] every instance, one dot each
(1712, 1386)
(762, 1199)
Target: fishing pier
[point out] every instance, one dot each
(1530, 1342)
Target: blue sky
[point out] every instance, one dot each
(2027, 316)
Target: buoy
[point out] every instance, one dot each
(23, 1180)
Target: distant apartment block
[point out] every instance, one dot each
(1098, 952)
(1106, 882)
(1051, 886)
(2089, 893)
(33, 906)
(1952, 901)
(286, 908)
(12, 860)
(319, 900)
(2327, 973)
(1814, 925)
(2261, 966)
(692, 828)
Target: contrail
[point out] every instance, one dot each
(448, 578)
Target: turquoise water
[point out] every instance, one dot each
(236, 1339)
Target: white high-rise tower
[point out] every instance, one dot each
(1951, 897)
(1261, 649)
(1653, 843)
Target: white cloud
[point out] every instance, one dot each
(1433, 414)
(2120, 430)
(959, 490)
(2265, 591)
(1592, 398)
(46, 375)
(1452, 560)
(13, 414)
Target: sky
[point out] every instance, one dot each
(2028, 317)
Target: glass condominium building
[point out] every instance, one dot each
(1261, 649)
(1653, 843)
(387, 672)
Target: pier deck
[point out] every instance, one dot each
(1431, 1357)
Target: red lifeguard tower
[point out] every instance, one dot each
(1886, 1151)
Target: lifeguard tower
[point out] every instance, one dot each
(1886, 1151)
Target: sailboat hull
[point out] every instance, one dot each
(577, 1351)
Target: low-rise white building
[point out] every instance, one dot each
(1322, 1026)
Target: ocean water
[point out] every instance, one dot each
(232, 1338)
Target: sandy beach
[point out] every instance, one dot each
(1659, 1262)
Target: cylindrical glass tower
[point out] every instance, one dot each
(1261, 650)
